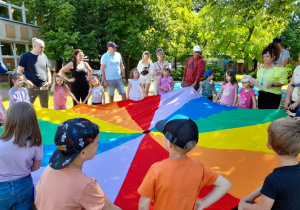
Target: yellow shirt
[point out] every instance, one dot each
(276, 74)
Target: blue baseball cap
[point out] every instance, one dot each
(208, 73)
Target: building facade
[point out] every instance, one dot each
(16, 31)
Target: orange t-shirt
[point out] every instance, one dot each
(66, 189)
(176, 183)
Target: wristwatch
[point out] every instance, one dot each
(123, 78)
(272, 84)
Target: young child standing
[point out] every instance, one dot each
(135, 86)
(97, 91)
(230, 90)
(247, 98)
(17, 93)
(165, 82)
(281, 188)
(180, 176)
(62, 184)
(61, 90)
(208, 85)
(21, 153)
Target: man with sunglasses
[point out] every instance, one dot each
(194, 69)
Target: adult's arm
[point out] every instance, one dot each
(123, 72)
(48, 72)
(140, 66)
(284, 61)
(104, 74)
(90, 71)
(20, 70)
(66, 68)
(289, 92)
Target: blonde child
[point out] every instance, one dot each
(208, 85)
(165, 82)
(97, 91)
(230, 90)
(135, 86)
(281, 188)
(61, 90)
(21, 153)
(17, 93)
(247, 98)
(175, 177)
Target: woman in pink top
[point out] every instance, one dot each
(230, 90)
(165, 82)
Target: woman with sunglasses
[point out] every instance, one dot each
(158, 67)
(145, 68)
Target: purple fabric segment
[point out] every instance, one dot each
(109, 168)
(172, 101)
(15, 161)
(17, 95)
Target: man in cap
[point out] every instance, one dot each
(113, 71)
(284, 54)
(194, 69)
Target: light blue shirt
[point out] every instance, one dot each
(283, 54)
(112, 63)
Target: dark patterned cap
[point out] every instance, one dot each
(178, 131)
(71, 138)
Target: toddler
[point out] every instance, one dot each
(230, 90)
(247, 98)
(135, 86)
(165, 82)
(96, 89)
(17, 93)
(208, 85)
(61, 90)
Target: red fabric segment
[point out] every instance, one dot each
(128, 197)
(149, 152)
(142, 112)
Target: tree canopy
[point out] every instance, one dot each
(236, 28)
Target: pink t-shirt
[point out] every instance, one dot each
(228, 94)
(245, 101)
(68, 188)
(165, 82)
(60, 95)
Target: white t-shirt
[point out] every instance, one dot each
(296, 80)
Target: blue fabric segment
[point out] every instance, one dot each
(201, 108)
(227, 60)
(103, 146)
(3, 68)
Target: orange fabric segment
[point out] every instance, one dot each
(111, 113)
(246, 170)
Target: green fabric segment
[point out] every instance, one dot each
(238, 118)
(48, 130)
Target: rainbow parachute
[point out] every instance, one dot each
(231, 141)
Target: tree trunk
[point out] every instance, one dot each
(58, 65)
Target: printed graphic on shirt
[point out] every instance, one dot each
(192, 66)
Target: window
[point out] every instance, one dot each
(6, 49)
(17, 15)
(29, 19)
(3, 12)
(20, 48)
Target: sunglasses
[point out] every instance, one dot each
(146, 53)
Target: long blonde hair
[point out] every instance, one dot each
(21, 125)
(148, 59)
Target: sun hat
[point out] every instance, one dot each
(178, 131)
(197, 49)
(72, 136)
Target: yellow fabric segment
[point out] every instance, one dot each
(59, 117)
(250, 138)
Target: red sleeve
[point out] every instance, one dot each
(186, 66)
(200, 70)
(147, 188)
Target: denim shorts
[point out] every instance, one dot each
(18, 194)
(113, 84)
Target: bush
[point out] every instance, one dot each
(290, 69)
(218, 73)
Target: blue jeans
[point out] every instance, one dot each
(18, 194)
